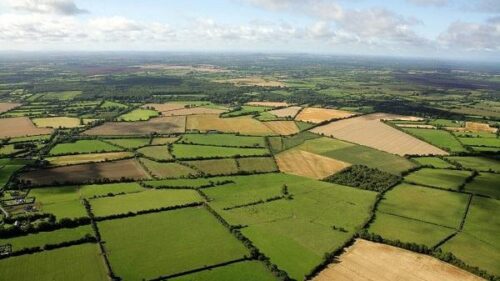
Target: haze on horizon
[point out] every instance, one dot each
(452, 29)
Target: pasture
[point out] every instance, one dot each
(58, 122)
(477, 163)
(433, 162)
(256, 164)
(186, 151)
(267, 103)
(87, 158)
(252, 270)
(190, 183)
(60, 96)
(215, 167)
(20, 127)
(439, 138)
(83, 146)
(485, 184)
(167, 170)
(318, 115)
(138, 114)
(157, 152)
(223, 140)
(441, 178)
(161, 125)
(243, 125)
(196, 240)
(129, 143)
(193, 111)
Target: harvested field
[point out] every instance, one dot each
(286, 112)
(303, 163)
(87, 158)
(192, 111)
(244, 125)
(20, 127)
(479, 127)
(56, 122)
(267, 103)
(367, 260)
(161, 125)
(318, 115)
(369, 131)
(87, 173)
(283, 128)
(6, 106)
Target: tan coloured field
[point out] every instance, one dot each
(283, 128)
(56, 122)
(253, 81)
(244, 125)
(192, 111)
(368, 130)
(369, 261)
(286, 112)
(6, 106)
(87, 173)
(318, 115)
(307, 164)
(88, 158)
(20, 127)
(161, 125)
(267, 103)
(479, 127)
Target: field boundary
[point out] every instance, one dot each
(208, 267)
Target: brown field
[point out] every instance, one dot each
(286, 112)
(87, 158)
(6, 106)
(420, 126)
(283, 128)
(307, 164)
(161, 125)
(318, 115)
(20, 127)
(56, 122)
(368, 130)
(161, 107)
(244, 125)
(252, 81)
(368, 261)
(192, 111)
(267, 103)
(479, 127)
(87, 173)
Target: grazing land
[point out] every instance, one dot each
(167, 170)
(442, 178)
(268, 103)
(252, 270)
(439, 138)
(87, 158)
(477, 163)
(485, 184)
(215, 167)
(433, 162)
(193, 111)
(83, 146)
(318, 115)
(159, 152)
(186, 151)
(20, 127)
(139, 114)
(129, 142)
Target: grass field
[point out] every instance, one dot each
(57, 122)
(167, 170)
(145, 200)
(215, 166)
(163, 140)
(434, 162)
(195, 239)
(192, 183)
(52, 237)
(87, 158)
(130, 142)
(185, 151)
(83, 146)
(252, 270)
(485, 184)
(139, 114)
(256, 164)
(477, 163)
(278, 144)
(223, 140)
(8, 168)
(112, 104)
(491, 142)
(56, 264)
(426, 204)
(157, 152)
(439, 138)
(245, 110)
(442, 178)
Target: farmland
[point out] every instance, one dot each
(138, 115)
(57, 122)
(242, 125)
(83, 146)
(223, 139)
(164, 125)
(318, 115)
(185, 151)
(438, 138)
(87, 158)
(442, 178)
(20, 127)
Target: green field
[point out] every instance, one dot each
(245, 110)
(195, 239)
(130, 142)
(192, 183)
(440, 138)
(139, 114)
(278, 144)
(485, 184)
(442, 178)
(58, 264)
(256, 164)
(112, 105)
(430, 205)
(157, 152)
(168, 170)
(223, 140)
(7, 169)
(43, 238)
(215, 167)
(83, 146)
(139, 201)
(435, 162)
(62, 96)
(185, 151)
(445, 123)
(252, 270)
(491, 142)
(477, 163)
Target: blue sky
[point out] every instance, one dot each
(428, 28)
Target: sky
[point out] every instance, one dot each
(461, 29)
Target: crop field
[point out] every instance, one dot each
(477, 163)
(167, 170)
(485, 184)
(367, 260)
(368, 130)
(161, 125)
(83, 146)
(256, 164)
(57, 122)
(433, 162)
(158, 152)
(318, 115)
(307, 164)
(193, 111)
(287, 112)
(267, 103)
(479, 127)
(196, 240)
(90, 265)
(223, 140)
(6, 106)
(129, 142)
(145, 200)
(253, 81)
(20, 127)
(215, 166)
(86, 173)
(243, 125)
(442, 178)
(87, 158)
(283, 128)
(139, 114)
(186, 151)
(439, 138)
(245, 110)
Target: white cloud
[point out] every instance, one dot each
(473, 36)
(437, 3)
(61, 7)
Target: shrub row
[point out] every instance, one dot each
(157, 210)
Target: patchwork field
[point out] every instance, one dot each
(57, 122)
(129, 142)
(159, 152)
(477, 163)
(167, 170)
(283, 128)
(86, 173)
(485, 184)
(256, 164)
(434, 162)
(303, 163)
(438, 138)
(87, 158)
(243, 125)
(318, 115)
(161, 125)
(215, 166)
(162, 107)
(252, 270)
(83, 146)
(367, 260)
(20, 127)
(223, 140)
(368, 130)
(187, 151)
(267, 103)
